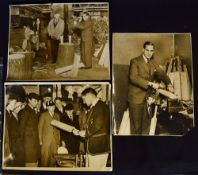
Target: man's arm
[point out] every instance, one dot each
(83, 25)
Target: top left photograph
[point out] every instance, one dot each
(50, 42)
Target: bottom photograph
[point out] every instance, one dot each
(57, 126)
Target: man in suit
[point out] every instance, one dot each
(142, 73)
(97, 132)
(70, 141)
(49, 137)
(86, 27)
(28, 128)
(11, 101)
(55, 30)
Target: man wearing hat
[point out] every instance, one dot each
(49, 136)
(46, 98)
(70, 141)
(97, 133)
(28, 128)
(55, 31)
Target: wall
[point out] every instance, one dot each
(127, 46)
(183, 48)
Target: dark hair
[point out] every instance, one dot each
(68, 107)
(86, 13)
(89, 90)
(33, 96)
(148, 43)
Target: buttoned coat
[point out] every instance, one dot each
(140, 73)
(98, 129)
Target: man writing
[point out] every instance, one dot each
(141, 72)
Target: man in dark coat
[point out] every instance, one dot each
(141, 72)
(71, 141)
(28, 127)
(49, 136)
(10, 105)
(86, 27)
(97, 131)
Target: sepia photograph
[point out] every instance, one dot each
(58, 42)
(57, 126)
(152, 84)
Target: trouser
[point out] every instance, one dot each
(139, 118)
(86, 53)
(54, 49)
(98, 162)
(47, 151)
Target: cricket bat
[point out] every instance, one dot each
(153, 122)
(61, 125)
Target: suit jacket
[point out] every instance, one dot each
(140, 73)
(46, 131)
(98, 129)
(28, 128)
(86, 28)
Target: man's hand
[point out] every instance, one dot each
(82, 133)
(170, 88)
(75, 132)
(153, 85)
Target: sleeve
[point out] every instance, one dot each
(134, 75)
(161, 74)
(40, 128)
(99, 120)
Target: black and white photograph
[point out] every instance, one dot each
(58, 42)
(57, 126)
(152, 84)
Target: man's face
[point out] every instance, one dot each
(18, 107)
(85, 17)
(12, 104)
(33, 102)
(51, 108)
(58, 104)
(45, 99)
(86, 99)
(148, 51)
(57, 16)
(69, 112)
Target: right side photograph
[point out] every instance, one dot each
(152, 84)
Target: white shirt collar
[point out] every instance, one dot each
(145, 59)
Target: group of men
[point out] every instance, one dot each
(56, 29)
(31, 141)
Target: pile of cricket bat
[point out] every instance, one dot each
(178, 74)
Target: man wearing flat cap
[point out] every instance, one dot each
(49, 136)
(97, 133)
(28, 127)
(70, 141)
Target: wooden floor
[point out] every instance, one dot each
(47, 72)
